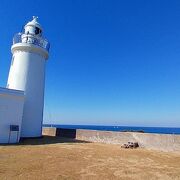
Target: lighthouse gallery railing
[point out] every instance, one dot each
(31, 39)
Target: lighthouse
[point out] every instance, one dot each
(30, 52)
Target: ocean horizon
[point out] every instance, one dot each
(159, 130)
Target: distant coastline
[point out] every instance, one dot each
(159, 130)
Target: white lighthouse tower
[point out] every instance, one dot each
(27, 73)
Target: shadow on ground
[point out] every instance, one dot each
(45, 140)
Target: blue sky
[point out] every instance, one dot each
(111, 62)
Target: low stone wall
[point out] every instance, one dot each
(110, 137)
(49, 131)
(162, 142)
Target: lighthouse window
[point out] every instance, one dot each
(37, 30)
(12, 61)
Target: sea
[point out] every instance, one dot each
(159, 130)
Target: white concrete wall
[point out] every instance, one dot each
(11, 110)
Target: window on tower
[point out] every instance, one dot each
(37, 31)
(12, 61)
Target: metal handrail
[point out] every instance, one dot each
(31, 39)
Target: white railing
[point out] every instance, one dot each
(31, 39)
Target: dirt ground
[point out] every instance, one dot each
(57, 158)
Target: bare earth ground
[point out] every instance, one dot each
(57, 158)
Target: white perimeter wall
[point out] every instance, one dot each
(11, 110)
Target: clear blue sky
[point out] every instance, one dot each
(111, 62)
